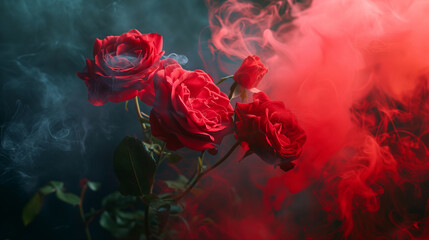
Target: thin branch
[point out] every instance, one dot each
(207, 171)
(82, 214)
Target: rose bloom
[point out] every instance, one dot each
(270, 130)
(250, 72)
(189, 109)
(122, 68)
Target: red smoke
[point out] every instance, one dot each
(355, 73)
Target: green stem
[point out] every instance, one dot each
(198, 170)
(145, 115)
(224, 78)
(162, 154)
(147, 136)
(200, 163)
(136, 104)
(146, 216)
(146, 222)
(91, 218)
(82, 214)
(140, 117)
(199, 176)
(139, 113)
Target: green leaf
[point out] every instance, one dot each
(158, 141)
(94, 186)
(178, 184)
(233, 90)
(134, 167)
(46, 189)
(224, 79)
(157, 203)
(175, 209)
(59, 186)
(111, 223)
(152, 147)
(130, 215)
(122, 223)
(117, 200)
(174, 157)
(32, 208)
(69, 198)
(237, 91)
(162, 214)
(160, 203)
(150, 197)
(89, 213)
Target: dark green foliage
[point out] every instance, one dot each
(33, 207)
(134, 167)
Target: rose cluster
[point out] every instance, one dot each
(189, 110)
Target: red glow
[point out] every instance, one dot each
(355, 73)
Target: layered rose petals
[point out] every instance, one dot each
(189, 110)
(123, 67)
(270, 130)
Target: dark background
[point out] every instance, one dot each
(48, 129)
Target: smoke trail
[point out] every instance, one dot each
(48, 130)
(181, 59)
(30, 132)
(42, 50)
(355, 73)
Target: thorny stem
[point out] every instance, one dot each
(199, 176)
(82, 215)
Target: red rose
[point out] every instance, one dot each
(189, 109)
(270, 130)
(250, 72)
(122, 67)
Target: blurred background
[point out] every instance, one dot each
(48, 129)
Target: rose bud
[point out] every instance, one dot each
(83, 182)
(250, 72)
(270, 130)
(122, 68)
(189, 109)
